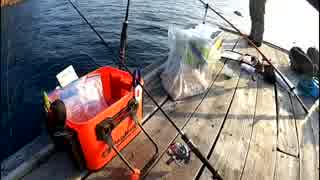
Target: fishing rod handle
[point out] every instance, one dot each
(205, 13)
(123, 42)
(204, 160)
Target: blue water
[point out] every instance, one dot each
(39, 38)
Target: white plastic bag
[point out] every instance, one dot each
(91, 96)
(84, 98)
(187, 72)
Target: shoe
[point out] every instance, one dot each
(250, 37)
(256, 43)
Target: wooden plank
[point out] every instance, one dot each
(314, 119)
(23, 161)
(287, 163)
(307, 126)
(203, 128)
(232, 146)
(242, 47)
(309, 148)
(287, 126)
(228, 43)
(140, 151)
(260, 163)
(261, 158)
(157, 92)
(274, 46)
(292, 76)
(287, 134)
(59, 166)
(287, 167)
(157, 127)
(230, 40)
(153, 85)
(308, 131)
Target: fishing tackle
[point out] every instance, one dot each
(184, 137)
(264, 58)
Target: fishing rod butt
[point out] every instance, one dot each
(123, 42)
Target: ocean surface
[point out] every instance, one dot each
(39, 38)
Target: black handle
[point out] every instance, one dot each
(123, 42)
(108, 124)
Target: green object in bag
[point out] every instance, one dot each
(46, 101)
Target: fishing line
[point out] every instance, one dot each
(258, 50)
(121, 63)
(94, 30)
(184, 137)
(92, 60)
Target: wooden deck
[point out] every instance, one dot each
(239, 126)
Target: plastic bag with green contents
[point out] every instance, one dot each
(187, 72)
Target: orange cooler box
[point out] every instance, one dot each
(118, 91)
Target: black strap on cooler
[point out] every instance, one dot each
(105, 128)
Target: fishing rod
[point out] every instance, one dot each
(207, 6)
(124, 35)
(184, 136)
